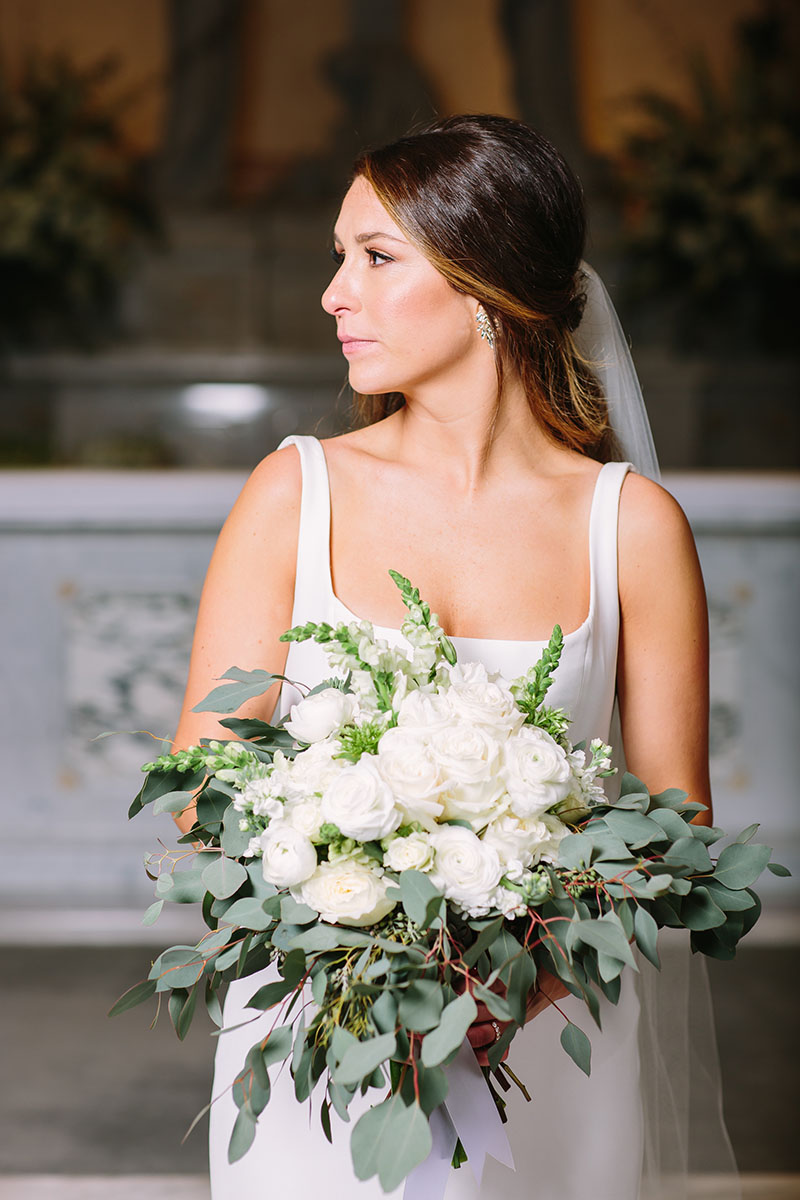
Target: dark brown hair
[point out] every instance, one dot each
(498, 212)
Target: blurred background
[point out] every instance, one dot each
(170, 171)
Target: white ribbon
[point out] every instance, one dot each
(469, 1113)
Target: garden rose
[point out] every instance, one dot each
(346, 892)
(536, 771)
(406, 764)
(413, 852)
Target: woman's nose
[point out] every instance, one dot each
(338, 295)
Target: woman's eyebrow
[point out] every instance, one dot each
(367, 237)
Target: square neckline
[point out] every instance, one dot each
(581, 631)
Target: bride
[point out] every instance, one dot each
(487, 471)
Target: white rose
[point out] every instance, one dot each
(408, 767)
(360, 802)
(469, 758)
(305, 815)
(346, 892)
(316, 717)
(536, 771)
(414, 852)
(483, 699)
(426, 711)
(464, 869)
(287, 855)
(313, 769)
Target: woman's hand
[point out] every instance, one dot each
(485, 1030)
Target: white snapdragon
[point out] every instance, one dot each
(320, 715)
(465, 870)
(346, 892)
(360, 802)
(260, 797)
(536, 771)
(413, 852)
(287, 856)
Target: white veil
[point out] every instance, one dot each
(684, 1128)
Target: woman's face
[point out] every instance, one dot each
(400, 322)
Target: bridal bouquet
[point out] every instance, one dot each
(417, 836)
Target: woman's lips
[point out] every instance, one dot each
(354, 345)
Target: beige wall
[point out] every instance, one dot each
(88, 30)
(625, 46)
(458, 45)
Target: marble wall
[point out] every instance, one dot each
(101, 575)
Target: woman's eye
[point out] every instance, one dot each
(376, 258)
(337, 256)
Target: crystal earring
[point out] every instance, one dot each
(484, 326)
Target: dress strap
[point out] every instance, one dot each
(313, 589)
(603, 556)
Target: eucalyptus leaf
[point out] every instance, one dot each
(244, 1130)
(229, 697)
(646, 931)
(417, 892)
(270, 994)
(778, 869)
(484, 939)
(389, 1140)
(440, 1043)
(496, 1005)
(421, 1005)
(249, 914)
(700, 912)
(278, 1045)
(383, 1013)
(295, 913)
(153, 912)
(172, 802)
(577, 1046)
(138, 994)
(181, 887)
(740, 865)
(607, 935)
(635, 828)
(362, 1058)
(223, 877)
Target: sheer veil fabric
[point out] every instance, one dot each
(681, 1087)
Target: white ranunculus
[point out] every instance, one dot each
(483, 699)
(287, 856)
(413, 852)
(536, 771)
(360, 802)
(517, 840)
(408, 767)
(464, 869)
(318, 716)
(346, 892)
(548, 850)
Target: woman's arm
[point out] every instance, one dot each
(662, 669)
(247, 597)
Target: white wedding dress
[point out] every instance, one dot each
(578, 1137)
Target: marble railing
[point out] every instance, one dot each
(101, 573)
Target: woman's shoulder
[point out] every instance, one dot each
(655, 538)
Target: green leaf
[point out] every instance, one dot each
(223, 877)
(496, 1005)
(670, 821)
(172, 802)
(417, 893)
(181, 887)
(482, 942)
(421, 1005)
(646, 931)
(361, 1059)
(278, 1045)
(777, 869)
(249, 914)
(740, 865)
(607, 935)
(229, 697)
(134, 995)
(457, 1016)
(295, 913)
(244, 1130)
(178, 967)
(213, 1005)
(727, 898)
(521, 978)
(577, 1046)
(747, 834)
(688, 853)
(575, 851)
(634, 828)
(233, 840)
(700, 912)
(389, 1140)
(383, 1013)
(153, 912)
(270, 994)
